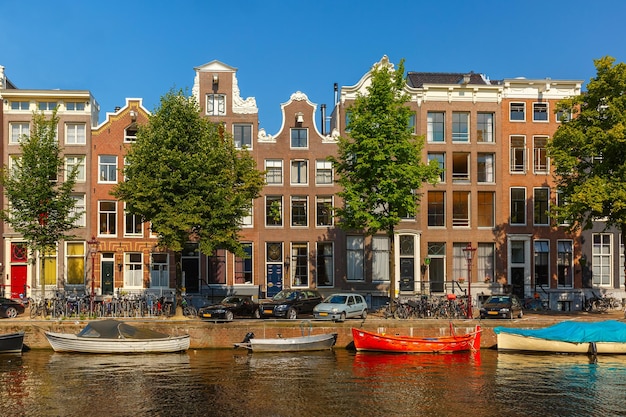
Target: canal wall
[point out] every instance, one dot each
(218, 335)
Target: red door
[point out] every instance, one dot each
(18, 280)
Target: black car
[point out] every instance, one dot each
(502, 306)
(11, 308)
(291, 303)
(230, 307)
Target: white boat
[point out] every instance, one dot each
(112, 336)
(606, 337)
(307, 343)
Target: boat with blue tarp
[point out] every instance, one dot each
(607, 337)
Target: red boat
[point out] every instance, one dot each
(364, 340)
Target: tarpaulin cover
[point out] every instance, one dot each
(575, 331)
(113, 329)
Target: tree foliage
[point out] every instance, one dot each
(380, 165)
(589, 152)
(185, 177)
(41, 207)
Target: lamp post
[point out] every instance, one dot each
(93, 250)
(468, 251)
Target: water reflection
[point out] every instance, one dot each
(332, 383)
(571, 384)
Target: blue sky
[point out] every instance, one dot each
(143, 48)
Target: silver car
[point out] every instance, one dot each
(341, 306)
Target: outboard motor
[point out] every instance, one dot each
(247, 337)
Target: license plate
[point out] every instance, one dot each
(493, 313)
(323, 314)
(267, 311)
(208, 315)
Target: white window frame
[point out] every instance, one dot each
(460, 126)
(545, 202)
(380, 259)
(17, 130)
(133, 270)
(109, 217)
(355, 258)
(326, 201)
(299, 199)
(540, 154)
(511, 206)
(602, 259)
(297, 168)
(78, 161)
(216, 104)
(515, 152)
(325, 260)
(275, 166)
(517, 106)
(135, 221)
(75, 133)
(323, 172)
(485, 127)
(541, 109)
(431, 123)
(298, 145)
(80, 206)
(242, 141)
(485, 168)
(107, 169)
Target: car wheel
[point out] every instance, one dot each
(292, 314)
(342, 316)
(229, 316)
(11, 312)
(256, 314)
(364, 314)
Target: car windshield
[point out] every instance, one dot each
(336, 299)
(500, 300)
(230, 300)
(285, 295)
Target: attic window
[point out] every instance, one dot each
(130, 133)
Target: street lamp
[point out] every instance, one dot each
(468, 251)
(93, 250)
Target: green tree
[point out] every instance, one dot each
(589, 152)
(185, 176)
(41, 207)
(379, 165)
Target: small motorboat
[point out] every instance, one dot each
(381, 342)
(607, 337)
(305, 343)
(12, 342)
(113, 336)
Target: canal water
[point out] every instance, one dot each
(335, 383)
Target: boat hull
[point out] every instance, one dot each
(369, 341)
(514, 342)
(63, 342)
(12, 342)
(292, 344)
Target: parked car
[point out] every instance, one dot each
(291, 303)
(229, 308)
(10, 308)
(502, 306)
(341, 306)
